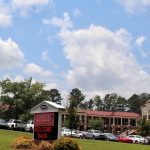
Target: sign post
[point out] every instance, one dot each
(47, 120)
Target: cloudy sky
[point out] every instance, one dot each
(98, 46)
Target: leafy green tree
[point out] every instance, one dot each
(98, 103)
(122, 104)
(144, 127)
(76, 97)
(136, 101)
(90, 104)
(96, 124)
(75, 100)
(87, 105)
(20, 97)
(53, 95)
(113, 102)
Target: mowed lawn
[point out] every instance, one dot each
(7, 136)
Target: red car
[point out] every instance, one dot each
(125, 140)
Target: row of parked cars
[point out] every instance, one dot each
(98, 135)
(17, 125)
(90, 134)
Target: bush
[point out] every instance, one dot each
(26, 143)
(23, 142)
(66, 144)
(45, 146)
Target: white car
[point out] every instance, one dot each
(65, 132)
(138, 139)
(92, 134)
(30, 125)
(16, 124)
(77, 134)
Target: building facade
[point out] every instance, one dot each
(115, 122)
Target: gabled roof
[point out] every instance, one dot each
(51, 107)
(109, 113)
(54, 105)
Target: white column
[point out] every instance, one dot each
(147, 115)
(113, 121)
(80, 118)
(128, 121)
(121, 121)
(59, 124)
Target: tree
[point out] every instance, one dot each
(98, 103)
(76, 97)
(87, 105)
(144, 127)
(96, 124)
(53, 95)
(136, 101)
(113, 102)
(20, 97)
(75, 101)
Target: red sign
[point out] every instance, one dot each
(44, 119)
(46, 126)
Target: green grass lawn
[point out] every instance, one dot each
(7, 136)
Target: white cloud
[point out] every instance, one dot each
(29, 3)
(36, 70)
(140, 40)
(11, 55)
(102, 60)
(24, 6)
(5, 16)
(64, 23)
(45, 57)
(135, 6)
(46, 21)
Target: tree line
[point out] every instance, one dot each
(17, 99)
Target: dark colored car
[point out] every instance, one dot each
(3, 124)
(110, 137)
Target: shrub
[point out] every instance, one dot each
(23, 142)
(66, 144)
(45, 146)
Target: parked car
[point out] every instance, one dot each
(148, 138)
(125, 139)
(92, 134)
(110, 137)
(138, 139)
(16, 124)
(30, 125)
(65, 132)
(3, 124)
(77, 134)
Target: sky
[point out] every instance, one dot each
(98, 46)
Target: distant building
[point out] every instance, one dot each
(114, 121)
(146, 110)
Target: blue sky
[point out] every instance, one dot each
(98, 46)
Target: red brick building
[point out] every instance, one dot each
(114, 121)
